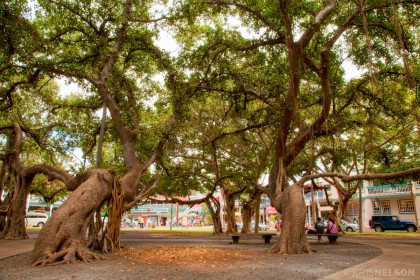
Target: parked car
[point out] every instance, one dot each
(347, 226)
(382, 223)
(36, 219)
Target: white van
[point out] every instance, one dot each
(35, 219)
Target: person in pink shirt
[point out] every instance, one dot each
(332, 229)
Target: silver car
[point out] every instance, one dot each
(347, 226)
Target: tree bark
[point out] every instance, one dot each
(246, 212)
(70, 222)
(230, 214)
(215, 215)
(293, 236)
(15, 227)
(257, 213)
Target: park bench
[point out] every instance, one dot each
(327, 234)
(235, 239)
(265, 236)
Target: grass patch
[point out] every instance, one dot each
(384, 233)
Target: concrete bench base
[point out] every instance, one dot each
(267, 237)
(235, 239)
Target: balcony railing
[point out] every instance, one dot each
(388, 189)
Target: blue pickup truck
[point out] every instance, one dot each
(382, 223)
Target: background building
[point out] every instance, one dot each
(390, 199)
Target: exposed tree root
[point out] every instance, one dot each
(71, 254)
(277, 248)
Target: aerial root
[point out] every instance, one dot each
(68, 255)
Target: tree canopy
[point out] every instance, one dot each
(206, 94)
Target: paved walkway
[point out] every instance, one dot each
(10, 248)
(399, 259)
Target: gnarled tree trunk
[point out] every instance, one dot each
(70, 222)
(293, 236)
(246, 213)
(215, 215)
(15, 227)
(230, 214)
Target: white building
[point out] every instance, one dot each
(391, 199)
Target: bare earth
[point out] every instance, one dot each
(149, 255)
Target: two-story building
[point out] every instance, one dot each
(390, 199)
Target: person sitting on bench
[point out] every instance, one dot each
(332, 229)
(319, 228)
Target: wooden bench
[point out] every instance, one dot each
(235, 239)
(267, 237)
(327, 234)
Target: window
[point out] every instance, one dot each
(417, 184)
(347, 211)
(353, 209)
(376, 208)
(386, 207)
(405, 206)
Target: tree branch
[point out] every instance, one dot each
(412, 172)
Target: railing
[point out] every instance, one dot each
(388, 189)
(162, 208)
(318, 195)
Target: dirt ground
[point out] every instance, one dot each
(147, 255)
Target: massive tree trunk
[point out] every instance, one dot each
(15, 227)
(246, 213)
(293, 236)
(215, 215)
(70, 221)
(230, 213)
(19, 180)
(289, 145)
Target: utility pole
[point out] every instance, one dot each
(360, 208)
(171, 221)
(314, 214)
(414, 206)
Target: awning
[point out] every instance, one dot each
(270, 210)
(325, 208)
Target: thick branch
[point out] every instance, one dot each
(412, 172)
(316, 25)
